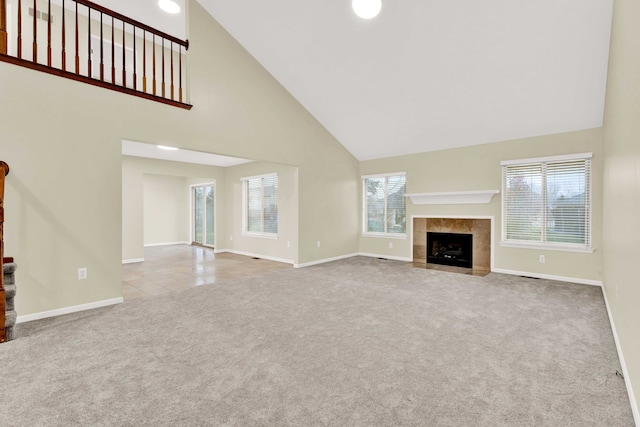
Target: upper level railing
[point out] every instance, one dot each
(83, 41)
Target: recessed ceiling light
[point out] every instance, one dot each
(166, 147)
(366, 9)
(169, 6)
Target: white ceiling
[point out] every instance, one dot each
(427, 75)
(139, 149)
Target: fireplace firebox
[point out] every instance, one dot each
(454, 249)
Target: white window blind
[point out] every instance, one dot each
(548, 202)
(261, 204)
(384, 204)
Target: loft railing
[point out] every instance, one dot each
(4, 171)
(86, 42)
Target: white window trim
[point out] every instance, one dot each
(397, 236)
(379, 235)
(245, 233)
(560, 247)
(579, 156)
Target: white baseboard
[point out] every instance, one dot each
(253, 255)
(623, 365)
(149, 245)
(68, 310)
(394, 258)
(132, 260)
(325, 260)
(549, 277)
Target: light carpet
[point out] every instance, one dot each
(354, 342)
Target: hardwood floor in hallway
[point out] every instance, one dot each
(176, 267)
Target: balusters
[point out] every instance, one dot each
(163, 94)
(3, 29)
(19, 29)
(124, 59)
(64, 39)
(89, 63)
(113, 52)
(101, 50)
(135, 75)
(35, 34)
(77, 44)
(144, 61)
(49, 33)
(180, 73)
(154, 64)
(160, 77)
(171, 70)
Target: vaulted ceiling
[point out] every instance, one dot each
(427, 75)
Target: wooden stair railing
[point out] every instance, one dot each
(3, 27)
(86, 41)
(4, 171)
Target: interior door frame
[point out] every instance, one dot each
(192, 228)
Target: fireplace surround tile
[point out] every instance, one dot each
(480, 228)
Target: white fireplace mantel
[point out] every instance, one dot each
(453, 198)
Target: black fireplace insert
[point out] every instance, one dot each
(454, 249)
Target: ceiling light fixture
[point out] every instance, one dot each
(366, 9)
(166, 147)
(169, 6)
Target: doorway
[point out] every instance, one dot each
(203, 214)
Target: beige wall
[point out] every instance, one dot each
(478, 168)
(165, 209)
(136, 174)
(62, 140)
(622, 185)
(285, 247)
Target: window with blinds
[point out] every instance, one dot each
(547, 201)
(384, 204)
(260, 199)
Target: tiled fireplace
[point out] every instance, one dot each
(478, 231)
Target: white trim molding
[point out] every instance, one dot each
(453, 198)
(391, 257)
(69, 310)
(577, 280)
(623, 365)
(150, 245)
(325, 260)
(132, 260)
(254, 255)
(560, 158)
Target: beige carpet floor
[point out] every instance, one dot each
(358, 342)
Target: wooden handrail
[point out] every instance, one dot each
(4, 171)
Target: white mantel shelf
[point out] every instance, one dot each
(453, 198)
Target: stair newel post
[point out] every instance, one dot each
(4, 171)
(3, 27)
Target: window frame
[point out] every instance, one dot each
(384, 234)
(245, 204)
(545, 244)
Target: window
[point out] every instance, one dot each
(260, 210)
(384, 204)
(547, 202)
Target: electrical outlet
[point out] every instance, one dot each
(288, 243)
(541, 259)
(390, 245)
(230, 237)
(318, 244)
(82, 273)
